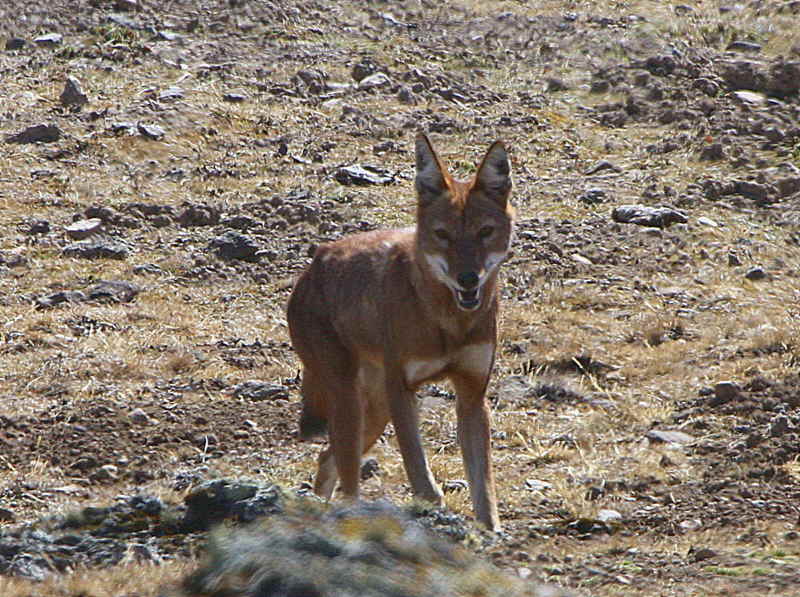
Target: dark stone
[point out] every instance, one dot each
(97, 248)
(15, 43)
(114, 291)
(39, 133)
(73, 94)
(63, 296)
(259, 390)
(234, 245)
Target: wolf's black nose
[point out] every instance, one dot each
(468, 280)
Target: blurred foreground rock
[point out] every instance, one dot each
(366, 550)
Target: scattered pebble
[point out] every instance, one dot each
(257, 391)
(234, 245)
(756, 273)
(48, 40)
(73, 94)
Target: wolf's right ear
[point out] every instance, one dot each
(431, 179)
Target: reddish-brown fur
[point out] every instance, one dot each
(377, 314)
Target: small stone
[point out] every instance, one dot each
(779, 425)
(690, 525)
(593, 197)
(725, 391)
(64, 296)
(38, 227)
(39, 133)
(151, 131)
(107, 472)
(750, 97)
(374, 80)
(15, 43)
(712, 153)
(733, 259)
(554, 84)
(234, 245)
(138, 416)
(234, 97)
(370, 468)
(97, 248)
(6, 515)
(604, 515)
(241, 434)
(113, 291)
(126, 5)
(707, 222)
(364, 174)
(406, 96)
(363, 69)
(49, 40)
(656, 217)
(171, 93)
(257, 391)
(83, 228)
(73, 94)
(756, 273)
(603, 165)
(669, 437)
(702, 553)
(453, 485)
(744, 46)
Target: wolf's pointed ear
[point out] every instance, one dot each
(431, 179)
(494, 174)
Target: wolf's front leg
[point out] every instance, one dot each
(474, 437)
(405, 416)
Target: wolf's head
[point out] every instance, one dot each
(464, 229)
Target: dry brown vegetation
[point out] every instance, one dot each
(610, 331)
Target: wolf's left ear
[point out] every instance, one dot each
(494, 174)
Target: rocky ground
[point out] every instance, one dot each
(168, 169)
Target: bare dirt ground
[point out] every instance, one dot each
(646, 396)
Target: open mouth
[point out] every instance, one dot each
(468, 299)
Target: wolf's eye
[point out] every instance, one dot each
(485, 232)
(442, 235)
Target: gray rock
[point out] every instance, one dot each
(725, 391)
(234, 245)
(83, 228)
(97, 248)
(39, 133)
(73, 94)
(15, 43)
(594, 196)
(363, 69)
(375, 80)
(48, 40)
(113, 291)
(171, 93)
(235, 97)
(605, 515)
(602, 165)
(406, 96)
(257, 391)
(151, 131)
(712, 153)
(63, 296)
(138, 416)
(756, 273)
(743, 46)
(38, 227)
(669, 437)
(779, 425)
(642, 215)
(363, 174)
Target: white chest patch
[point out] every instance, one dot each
(476, 358)
(417, 371)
